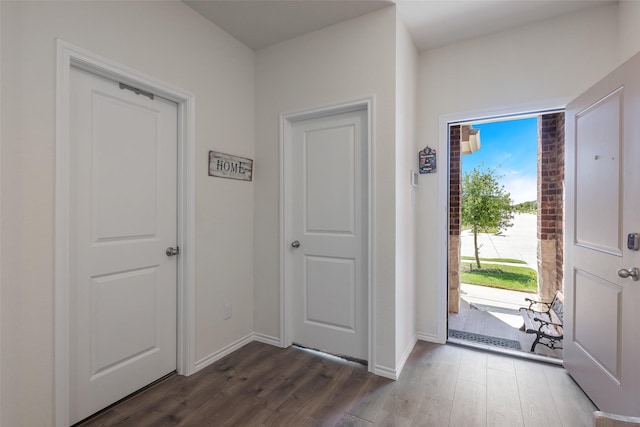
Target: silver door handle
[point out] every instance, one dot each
(633, 272)
(295, 244)
(172, 251)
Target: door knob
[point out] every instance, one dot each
(295, 244)
(172, 251)
(633, 272)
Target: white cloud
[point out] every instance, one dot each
(521, 188)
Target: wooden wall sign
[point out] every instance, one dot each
(228, 166)
(427, 160)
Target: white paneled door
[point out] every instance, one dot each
(602, 334)
(123, 218)
(329, 229)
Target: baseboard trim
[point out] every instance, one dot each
(214, 357)
(383, 371)
(421, 336)
(405, 355)
(267, 339)
(394, 373)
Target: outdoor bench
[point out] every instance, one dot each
(546, 323)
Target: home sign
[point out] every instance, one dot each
(228, 166)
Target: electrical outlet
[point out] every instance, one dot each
(228, 311)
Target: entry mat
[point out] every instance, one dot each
(484, 339)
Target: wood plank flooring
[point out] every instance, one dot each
(441, 385)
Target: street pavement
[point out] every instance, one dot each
(517, 242)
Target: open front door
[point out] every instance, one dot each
(602, 329)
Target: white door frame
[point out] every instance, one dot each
(286, 209)
(69, 55)
(443, 193)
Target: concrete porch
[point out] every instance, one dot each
(494, 313)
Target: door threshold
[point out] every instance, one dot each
(506, 351)
(331, 355)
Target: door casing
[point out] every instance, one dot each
(445, 120)
(69, 55)
(286, 209)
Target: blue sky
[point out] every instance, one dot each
(512, 146)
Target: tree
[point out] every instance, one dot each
(527, 207)
(485, 204)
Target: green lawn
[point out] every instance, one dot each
(510, 277)
(492, 230)
(513, 261)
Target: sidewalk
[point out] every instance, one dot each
(517, 242)
(495, 297)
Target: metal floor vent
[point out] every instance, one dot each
(484, 339)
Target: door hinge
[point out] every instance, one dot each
(137, 91)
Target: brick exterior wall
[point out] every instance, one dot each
(560, 206)
(455, 178)
(550, 203)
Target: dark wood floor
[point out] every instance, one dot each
(441, 385)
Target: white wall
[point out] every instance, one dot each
(1, 120)
(629, 16)
(547, 63)
(171, 42)
(349, 60)
(406, 194)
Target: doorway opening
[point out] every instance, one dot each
(481, 312)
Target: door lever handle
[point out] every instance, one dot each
(633, 272)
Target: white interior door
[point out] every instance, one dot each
(602, 348)
(329, 289)
(123, 157)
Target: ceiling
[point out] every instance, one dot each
(432, 23)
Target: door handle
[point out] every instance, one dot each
(633, 272)
(172, 251)
(295, 244)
